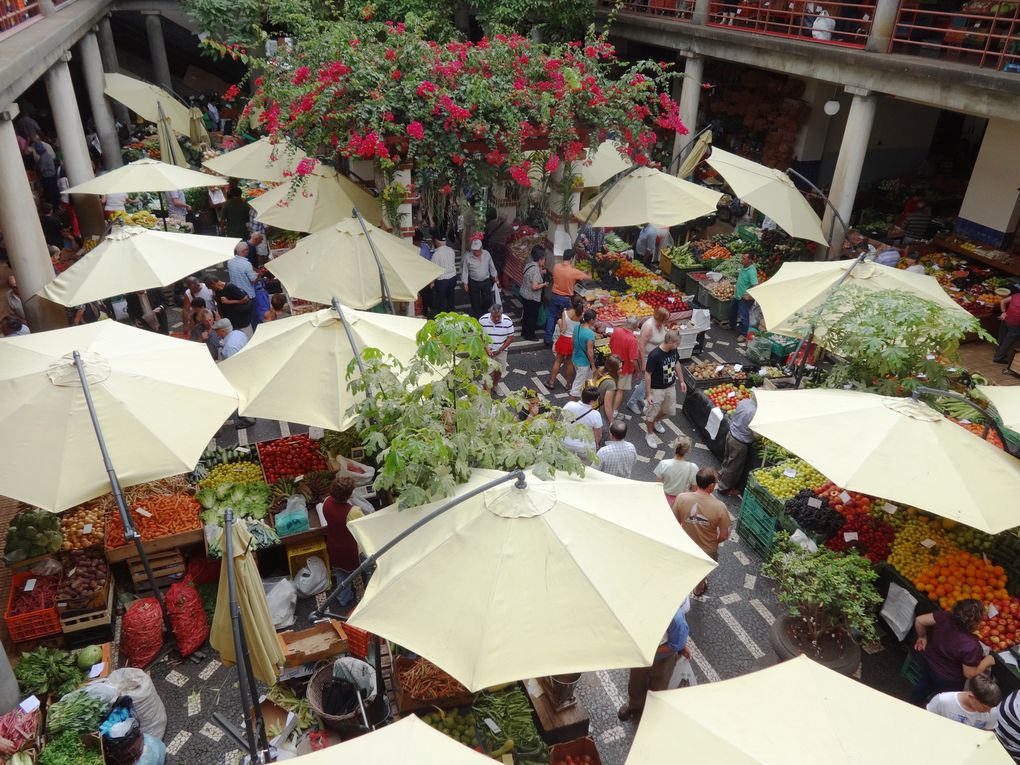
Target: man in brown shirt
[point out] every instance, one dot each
(705, 518)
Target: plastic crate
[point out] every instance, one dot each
(770, 504)
(782, 347)
(357, 640)
(913, 668)
(719, 309)
(757, 527)
(678, 275)
(691, 282)
(298, 555)
(34, 624)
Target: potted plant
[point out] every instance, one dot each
(831, 599)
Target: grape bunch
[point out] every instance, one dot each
(821, 520)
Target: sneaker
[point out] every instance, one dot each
(652, 441)
(243, 423)
(632, 405)
(625, 713)
(660, 428)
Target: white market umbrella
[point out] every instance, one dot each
(145, 100)
(603, 163)
(133, 258)
(770, 191)
(898, 449)
(1006, 400)
(159, 401)
(147, 175)
(651, 196)
(565, 575)
(321, 199)
(800, 713)
(263, 160)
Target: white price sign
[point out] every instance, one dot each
(814, 502)
(992, 611)
(143, 512)
(731, 394)
(737, 367)
(844, 497)
(890, 508)
(850, 536)
(929, 543)
(790, 473)
(86, 529)
(30, 585)
(720, 368)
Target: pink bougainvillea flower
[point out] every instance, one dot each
(552, 164)
(232, 92)
(301, 75)
(390, 55)
(416, 130)
(520, 173)
(457, 159)
(396, 74)
(333, 72)
(447, 189)
(306, 166)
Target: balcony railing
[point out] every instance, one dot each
(827, 23)
(16, 13)
(675, 10)
(983, 34)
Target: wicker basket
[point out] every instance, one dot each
(345, 724)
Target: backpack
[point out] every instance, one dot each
(593, 383)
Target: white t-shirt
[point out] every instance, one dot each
(115, 201)
(589, 417)
(915, 269)
(948, 705)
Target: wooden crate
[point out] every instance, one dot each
(75, 621)
(321, 641)
(406, 703)
(161, 544)
(167, 568)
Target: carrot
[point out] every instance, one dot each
(167, 514)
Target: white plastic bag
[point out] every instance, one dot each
(148, 706)
(103, 691)
(683, 674)
(282, 600)
(312, 578)
(296, 503)
(358, 472)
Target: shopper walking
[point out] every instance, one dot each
(583, 356)
(738, 446)
(583, 413)
(563, 348)
(46, 170)
(677, 474)
(950, 652)
(618, 456)
(605, 381)
(443, 289)
(1009, 329)
(478, 275)
(662, 374)
(657, 676)
(704, 517)
(653, 332)
(235, 214)
(740, 307)
(233, 303)
(532, 284)
(499, 330)
(624, 345)
(564, 278)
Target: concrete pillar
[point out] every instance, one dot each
(690, 99)
(73, 149)
(108, 49)
(47, 8)
(23, 235)
(700, 15)
(92, 68)
(990, 213)
(157, 49)
(847, 175)
(883, 25)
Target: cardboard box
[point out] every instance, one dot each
(321, 641)
(579, 747)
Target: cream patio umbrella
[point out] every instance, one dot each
(898, 449)
(338, 262)
(770, 191)
(802, 288)
(158, 401)
(1006, 400)
(262, 160)
(147, 175)
(144, 99)
(800, 713)
(170, 150)
(197, 133)
(324, 198)
(134, 258)
(651, 196)
(295, 369)
(565, 575)
(602, 164)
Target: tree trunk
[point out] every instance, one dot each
(462, 18)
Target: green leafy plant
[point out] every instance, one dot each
(430, 422)
(888, 341)
(828, 592)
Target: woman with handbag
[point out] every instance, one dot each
(532, 284)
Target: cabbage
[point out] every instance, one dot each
(89, 656)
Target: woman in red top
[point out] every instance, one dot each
(340, 543)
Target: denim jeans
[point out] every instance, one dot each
(557, 305)
(346, 596)
(740, 314)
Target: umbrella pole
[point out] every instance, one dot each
(818, 191)
(924, 390)
(350, 336)
(130, 533)
(387, 297)
(369, 563)
(599, 197)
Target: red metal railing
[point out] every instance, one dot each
(825, 22)
(985, 34)
(675, 10)
(15, 13)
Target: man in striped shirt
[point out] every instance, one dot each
(1008, 729)
(500, 330)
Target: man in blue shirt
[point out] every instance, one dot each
(657, 676)
(738, 446)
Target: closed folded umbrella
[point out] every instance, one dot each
(295, 369)
(324, 198)
(145, 99)
(565, 575)
(770, 191)
(798, 713)
(603, 163)
(159, 400)
(196, 128)
(651, 196)
(262, 160)
(338, 262)
(898, 449)
(147, 175)
(134, 258)
(1006, 400)
(170, 150)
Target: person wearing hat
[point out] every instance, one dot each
(478, 274)
(233, 339)
(442, 289)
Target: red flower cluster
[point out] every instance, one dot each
(368, 146)
(552, 164)
(231, 93)
(495, 157)
(306, 166)
(520, 173)
(396, 74)
(332, 73)
(301, 75)
(416, 130)
(425, 87)
(390, 55)
(670, 116)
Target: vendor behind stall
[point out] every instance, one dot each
(340, 543)
(950, 652)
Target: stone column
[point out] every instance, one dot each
(690, 99)
(74, 149)
(847, 174)
(47, 8)
(157, 49)
(700, 15)
(23, 235)
(883, 25)
(92, 68)
(108, 48)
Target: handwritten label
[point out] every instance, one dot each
(143, 512)
(844, 497)
(930, 357)
(790, 473)
(30, 585)
(97, 669)
(29, 705)
(763, 372)
(850, 536)
(720, 368)
(316, 434)
(929, 543)
(814, 502)
(737, 367)
(992, 611)
(890, 508)
(86, 529)
(491, 725)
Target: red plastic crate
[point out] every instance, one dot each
(357, 641)
(34, 624)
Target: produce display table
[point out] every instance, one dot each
(989, 256)
(556, 726)
(698, 407)
(158, 545)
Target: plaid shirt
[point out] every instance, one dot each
(617, 458)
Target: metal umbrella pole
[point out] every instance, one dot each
(387, 296)
(990, 421)
(369, 562)
(791, 172)
(350, 336)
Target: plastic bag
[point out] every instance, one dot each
(281, 597)
(148, 706)
(759, 350)
(122, 740)
(296, 503)
(312, 579)
(47, 567)
(361, 474)
(683, 674)
(154, 752)
(187, 617)
(142, 632)
(294, 519)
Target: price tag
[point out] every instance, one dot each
(71, 573)
(814, 502)
(922, 376)
(951, 369)
(299, 477)
(143, 512)
(97, 669)
(930, 357)
(316, 434)
(30, 585)
(992, 611)
(29, 705)
(86, 529)
(844, 497)
(763, 372)
(737, 367)
(965, 422)
(731, 394)
(790, 473)
(491, 725)
(890, 508)
(929, 543)
(850, 536)
(720, 368)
